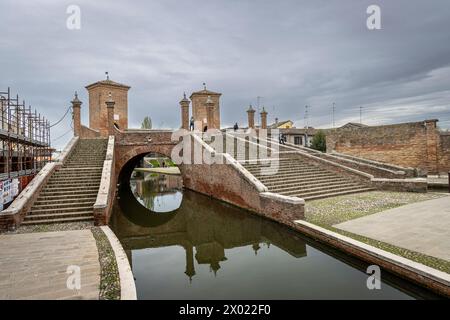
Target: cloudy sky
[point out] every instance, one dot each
(291, 53)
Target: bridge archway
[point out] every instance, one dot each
(128, 156)
(150, 198)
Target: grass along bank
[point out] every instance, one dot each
(109, 277)
(331, 211)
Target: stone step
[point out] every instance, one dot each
(292, 175)
(303, 182)
(324, 185)
(317, 193)
(58, 195)
(84, 160)
(62, 210)
(280, 165)
(78, 164)
(45, 216)
(295, 177)
(63, 200)
(69, 183)
(71, 187)
(88, 155)
(70, 204)
(280, 171)
(63, 179)
(93, 168)
(79, 172)
(58, 220)
(79, 192)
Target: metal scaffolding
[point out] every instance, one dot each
(24, 138)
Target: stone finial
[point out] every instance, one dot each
(263, 111)
(75, 100)
(185, 100)
(263, 118)
(250, 109)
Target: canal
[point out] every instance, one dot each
(183, 245)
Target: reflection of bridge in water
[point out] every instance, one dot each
(209, 226)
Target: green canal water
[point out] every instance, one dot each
(183, 245)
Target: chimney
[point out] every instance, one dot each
(263, 119)
(251, 117)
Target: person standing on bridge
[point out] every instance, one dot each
(191, 124)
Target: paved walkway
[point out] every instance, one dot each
(34, 265)
(422, 227)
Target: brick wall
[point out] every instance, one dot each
(199, 109)
(418, 145)
(444, 152)
(98, 95)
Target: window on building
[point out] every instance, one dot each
(297, 140)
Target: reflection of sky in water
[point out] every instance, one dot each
(165, 202)
(155, 195)
(210, 250)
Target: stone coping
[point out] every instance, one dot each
(360, 173)
(26, 195)
(235, 164)
(127, 285)
(279, 197)
(105, 183)
(394, 263)
(423, 180)
(67, 150)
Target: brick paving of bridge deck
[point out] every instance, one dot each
(422, 227)
(34, 265)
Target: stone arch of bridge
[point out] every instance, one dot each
(127, 157)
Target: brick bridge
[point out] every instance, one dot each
(81, 185)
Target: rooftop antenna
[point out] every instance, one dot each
(258, 100)
(107, 75)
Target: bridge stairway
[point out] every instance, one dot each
(71, 191)
(295, 177)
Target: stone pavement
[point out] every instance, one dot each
(34, 265)
(422, 227)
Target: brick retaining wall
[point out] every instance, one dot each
(418, 145)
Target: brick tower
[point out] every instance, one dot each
(98, 114)
(199, 108)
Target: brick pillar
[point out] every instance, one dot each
(251, 117)
(76, 107)
(184, 113)
(209, 113)
(263, 119)
(432, 140)
(110, 106)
